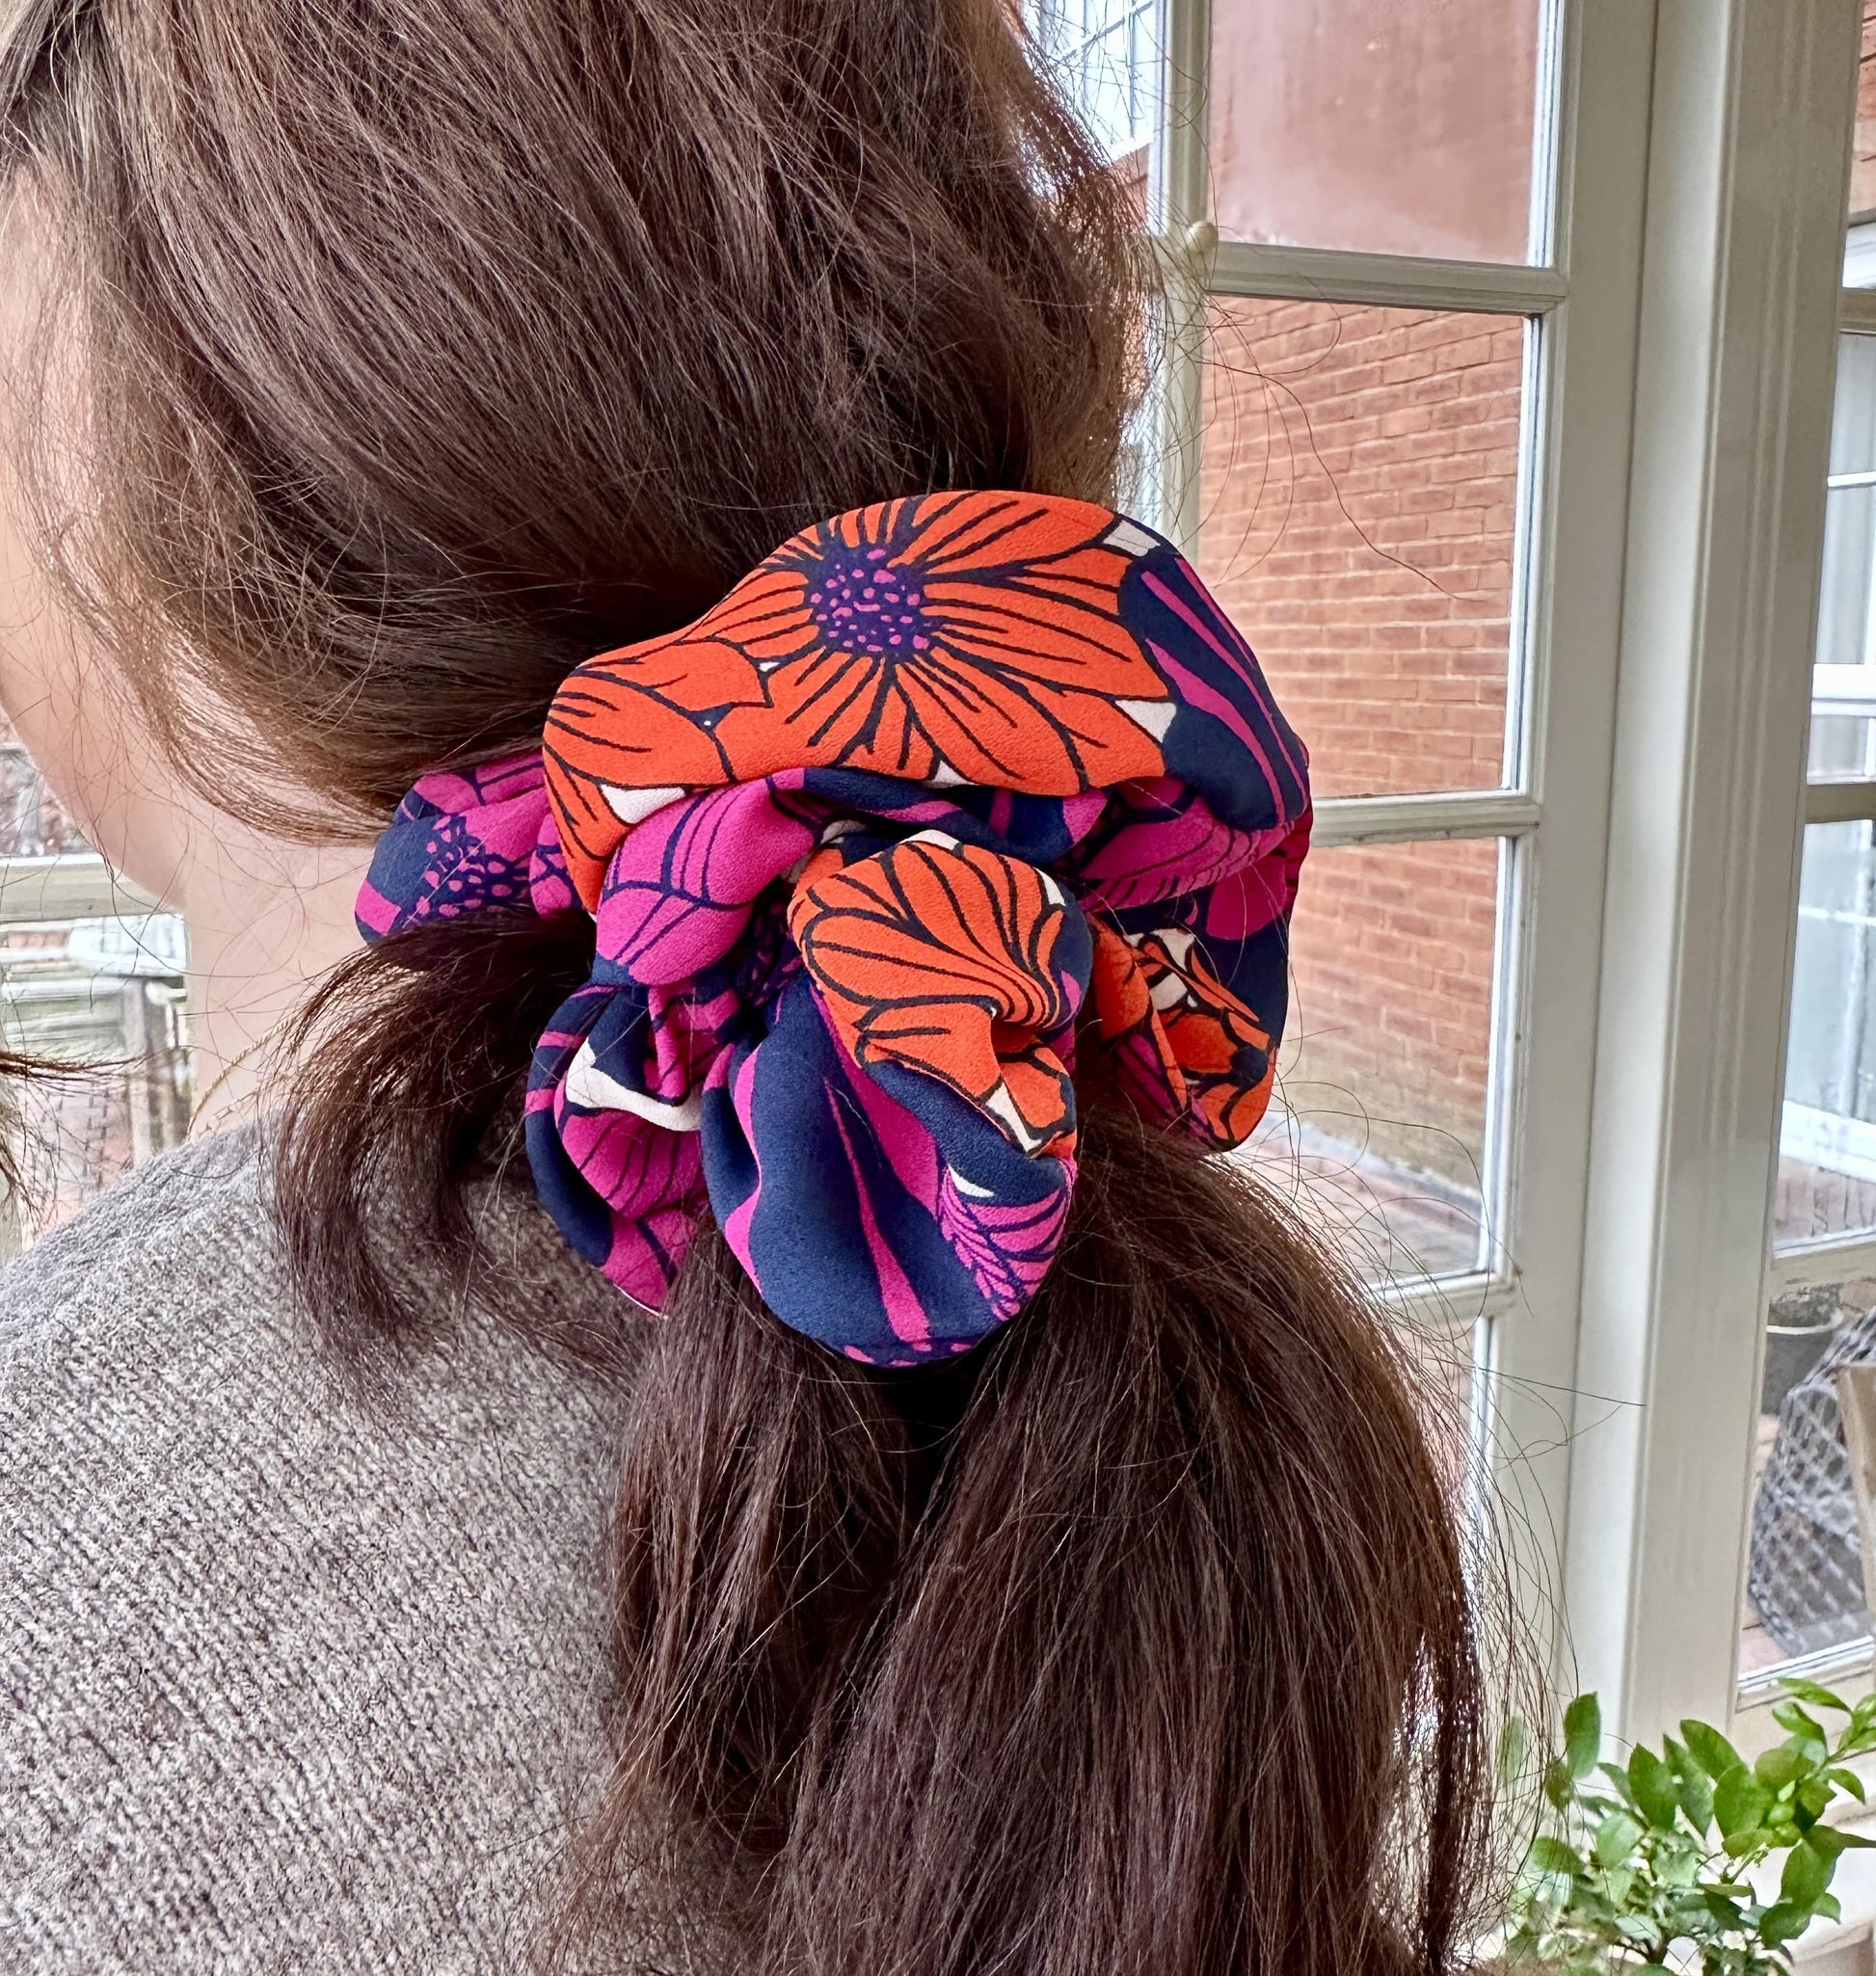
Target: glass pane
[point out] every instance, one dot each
(1397, 127)
(1827, 1168)
(1105, 55)
(1845, 635)
(1440, 1363)
(1863, 164)
(128, 1094)
(103, 993)
(1805, 1583)
(1827, 1171)
(31, 826)
(1379, 1119)
(1359, 521)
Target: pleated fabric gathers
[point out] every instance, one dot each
(944, 793)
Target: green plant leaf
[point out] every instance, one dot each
(1676, 1866)
(1582, 1734)
(1559, 1786)
(1828, 1907)
(1739, 1800)
(1656, 1788)
(1792, 1716)
(1807, 1873)
(1619, 1778)
(1782, 1922)
(1552, 1855)
(1833, 1839)
(1847, 1781)
(1810, 1692)
(1695, 1786)
(1710, 1749)
(1813, 1799)
(1724, 1907)
(1780, 1767)
(1751, 1839)
(1614, 1840)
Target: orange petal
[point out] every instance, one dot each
(996, 530)
(828, 707)
(1045, 639)
(685, 670)
(766, 616)
(1025, 735)
(938, 956)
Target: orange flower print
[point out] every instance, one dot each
(955, 639)
(1163, 1009)
(1129, 1022)
(954, 961)
(1222, 1049)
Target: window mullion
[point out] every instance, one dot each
(1329, 274)
(1179, 204)
(1740, 280)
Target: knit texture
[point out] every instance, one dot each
(290, 1679)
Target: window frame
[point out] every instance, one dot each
(1579, 296)
(1671, 520)
(1748, 163)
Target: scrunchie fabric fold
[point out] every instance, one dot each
(945, 792)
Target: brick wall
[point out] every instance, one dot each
(1863, 167)
(1358, 506)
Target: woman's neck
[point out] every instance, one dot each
(266, 922)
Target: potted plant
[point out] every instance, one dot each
(1636, 1865)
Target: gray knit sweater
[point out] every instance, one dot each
(288, 1681)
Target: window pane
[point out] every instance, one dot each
(101, 989)
(1358, 522)
(1862, 166)
(31, 826)
(1380, 1123)
(1843, 685)
(1827, 1174)
(1399, 126)
(1105, 55)
(1805, 1586)
(129, 1094)
(1827, 1171)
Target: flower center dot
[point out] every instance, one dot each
(861, 603)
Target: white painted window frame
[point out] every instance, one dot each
(1744, 253)
(1581, 294)
(1677, 425)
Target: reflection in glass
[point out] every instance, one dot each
(1380, 1115)
(1397, 126)
(1805, 1581)
(1359, 519)
(1827, 1169)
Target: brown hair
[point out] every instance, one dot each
(431, 347)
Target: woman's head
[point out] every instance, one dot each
(425, 351)
(431, 348)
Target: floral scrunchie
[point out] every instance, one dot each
(943, 791)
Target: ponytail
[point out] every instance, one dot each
(1139, 1640)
